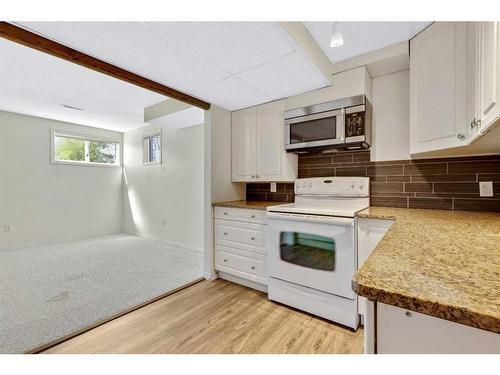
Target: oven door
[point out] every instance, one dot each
(315, 130)
(314, 251)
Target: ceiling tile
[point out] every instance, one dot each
(134, 46)
(232, 94)
(361, 37)
(288, 75)
(235, 46)
(37, 84)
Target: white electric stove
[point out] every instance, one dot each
(312, 247)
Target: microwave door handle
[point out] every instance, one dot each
(341, 127)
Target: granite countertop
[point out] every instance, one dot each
(254, 205)
(440, 263)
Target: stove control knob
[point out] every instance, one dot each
(304, 184)
(353, 185)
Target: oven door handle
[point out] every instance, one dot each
(312, 218)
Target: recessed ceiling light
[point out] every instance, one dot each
(71, 107)
(337, 38)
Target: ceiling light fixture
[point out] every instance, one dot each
(337, 38)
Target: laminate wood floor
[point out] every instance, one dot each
(215, 317)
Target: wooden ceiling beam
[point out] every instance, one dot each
(40, 43)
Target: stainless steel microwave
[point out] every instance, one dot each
(343, 123)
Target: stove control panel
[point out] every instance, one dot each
(337, 186)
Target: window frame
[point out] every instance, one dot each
(146, 151)
(85, 137)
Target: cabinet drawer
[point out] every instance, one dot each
(240, 214)
(250, 237)
(233, 262)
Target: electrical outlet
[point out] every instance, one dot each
(8, 228)
(486, 188)
(273, 187)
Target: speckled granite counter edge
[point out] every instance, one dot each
(419, 304)
(438, 310)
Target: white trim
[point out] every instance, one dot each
(86, 137)
(145, 153)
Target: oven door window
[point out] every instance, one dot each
(308, 250)
(313, 130)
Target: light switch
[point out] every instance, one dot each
(273, 187)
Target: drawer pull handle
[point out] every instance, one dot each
(225, 213)
(253, 267)
(225, 233)
(253, 216)
(225, 260)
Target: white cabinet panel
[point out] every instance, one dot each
(244, 143)
(240, 214)
(246, 236)
(403, 331)
(238, 263)
(489, 71)
(271, 140)
(370, 232)
(258, 152)
(438, 87)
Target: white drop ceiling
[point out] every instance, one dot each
(220, 62)
(231, 64)
(361, 37)
(37, 84)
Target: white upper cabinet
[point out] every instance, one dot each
(244, 148)
(258, 150)
(489, 74)
(438, 88)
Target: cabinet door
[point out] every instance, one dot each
(438, 87)
(401, 331)
(244, 133)
(489, 52)
(270, 141)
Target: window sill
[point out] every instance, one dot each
(85, 164)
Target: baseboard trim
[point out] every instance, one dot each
(113, 317)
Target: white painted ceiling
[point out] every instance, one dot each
(37, 84)
(231, 64)
(361, 37)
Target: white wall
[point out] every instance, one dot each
(391, 116)
(47, 202)
(345, 84)
(166, 201)
(222, 187)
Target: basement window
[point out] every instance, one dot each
(71, 148)
(152, 148)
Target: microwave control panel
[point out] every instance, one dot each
(355, 124)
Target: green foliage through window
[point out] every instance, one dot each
(67, 148)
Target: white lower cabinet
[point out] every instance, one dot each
(401, 331)
(370, 232)
(240, 253)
